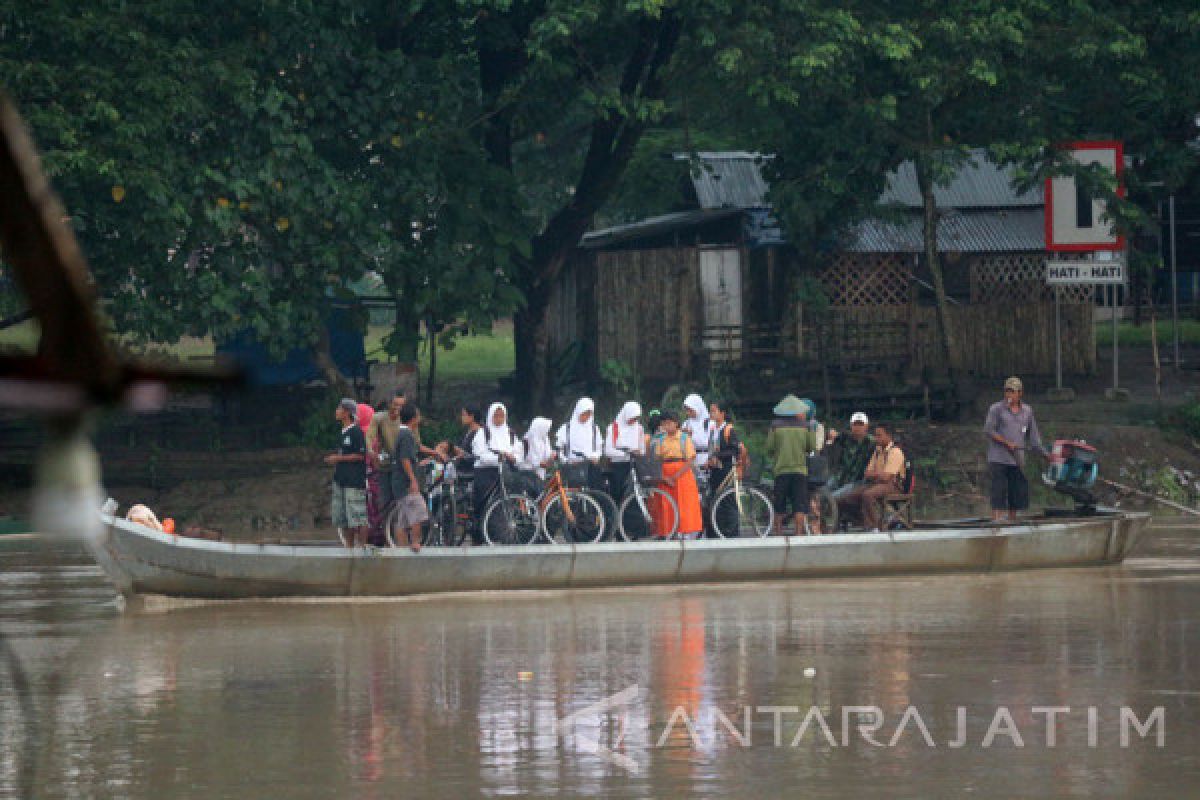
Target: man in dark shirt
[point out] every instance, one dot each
(349, 505)
(411, 512)
(854, 451)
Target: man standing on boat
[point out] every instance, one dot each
(411, 512)
(349, 506)
(1010, 430)
(381, 441)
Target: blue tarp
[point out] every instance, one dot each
(298, 367)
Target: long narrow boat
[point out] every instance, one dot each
(140, 561)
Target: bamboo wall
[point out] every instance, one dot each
(644, 307)
(648, 307)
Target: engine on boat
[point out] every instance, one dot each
(1072, 470)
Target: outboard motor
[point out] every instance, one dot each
(1072, 471)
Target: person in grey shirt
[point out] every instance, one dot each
(1011, 430)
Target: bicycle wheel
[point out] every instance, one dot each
(609, 507)
(584, 523)
(742, 512)
(442, 529)
(511, 520)
(646, 512)
(822, 516)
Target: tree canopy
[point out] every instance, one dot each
(238, 169)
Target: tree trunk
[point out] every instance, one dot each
(323, 358)
(431, 329)
(925, 182)
(612, 139)
(531, 342)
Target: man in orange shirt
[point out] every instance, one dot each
(882, 477)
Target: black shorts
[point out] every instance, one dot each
(1010, 489)
(791, 487)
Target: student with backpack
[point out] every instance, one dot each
(623, 439)
(580, 445)
(698, 425)
(675, 448)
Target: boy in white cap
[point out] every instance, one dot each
(854, 451)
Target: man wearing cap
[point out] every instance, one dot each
(349, 506)
(789, 442)
(1011, 430)
(855, 451)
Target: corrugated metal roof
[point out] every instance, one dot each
(729, 179)
(978, 184)
(1018, 230)
(655, 226)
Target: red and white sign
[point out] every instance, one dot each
(1074, 221)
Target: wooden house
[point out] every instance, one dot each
(716, 285)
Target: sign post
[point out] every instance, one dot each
(1103, 269)
(1079, 223)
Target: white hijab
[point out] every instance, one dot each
(580, 437)
(537, 445)
(500, 438)
(695, 403)
(697, 427)
(628, 435)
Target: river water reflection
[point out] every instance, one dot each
(459, 696)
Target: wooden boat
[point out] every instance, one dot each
(140, 561)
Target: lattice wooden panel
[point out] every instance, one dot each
(853, 279)
(1020, 278)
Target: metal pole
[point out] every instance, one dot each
(1174, 288)
(1113, 309)
(1057, 342)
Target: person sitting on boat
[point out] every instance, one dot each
(881, 477)
(539, 453)
(579, 444)
(349, 503)
(698, 425)
(789, 442)
(675, 448)
(852, 451)
(624, 439)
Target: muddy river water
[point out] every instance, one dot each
(1065, 683)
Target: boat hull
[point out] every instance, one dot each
(140, 561)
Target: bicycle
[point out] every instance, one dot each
(739, 507)
(510, 519)
(574, 515)
(642, 507)
(822, 516)
(446, 528)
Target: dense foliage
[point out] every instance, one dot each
(238, 168)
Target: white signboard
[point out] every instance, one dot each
(1075, 221)
(1076, 273)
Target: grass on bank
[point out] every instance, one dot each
(482, 357)
(1139, 335)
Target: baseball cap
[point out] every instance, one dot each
(859, 416)
(1014, 383)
